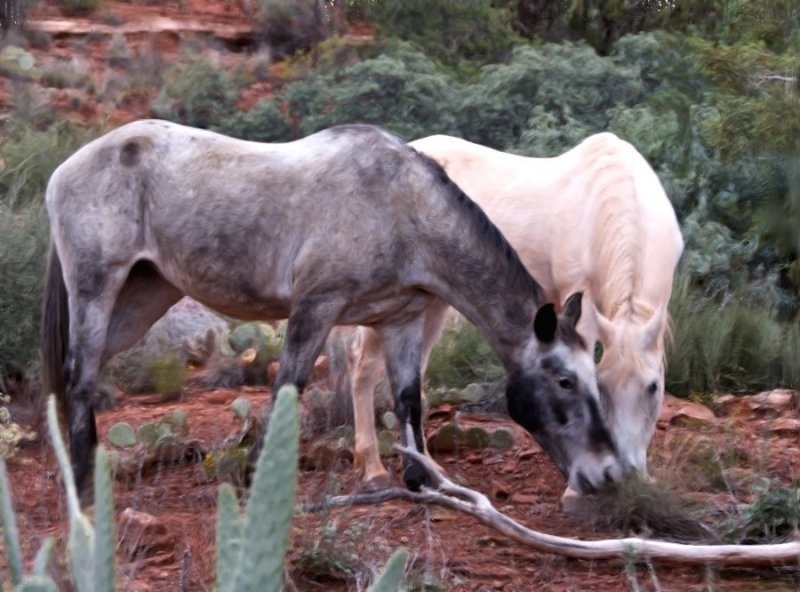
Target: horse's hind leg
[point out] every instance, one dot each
(403, 346)
(101, 326)
(143, 299)
(89, 314)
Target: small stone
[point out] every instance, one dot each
(774, 402)
(122, 435)
(725, 403)
(445, 439)
(693, 415)
(524, 498)
(784, 426)
(142, 535)
(220, 397)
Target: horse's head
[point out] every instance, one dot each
(631, 379)
(553, 394)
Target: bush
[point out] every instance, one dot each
(34, 147)
(461, 357)
(196, 93)
(404, 93)
(448, 31)
(569, 82)
(80, 6)
(23, 244)
(263, 123)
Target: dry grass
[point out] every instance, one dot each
(647, 509)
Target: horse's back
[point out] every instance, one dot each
(556, 211)
(241, 225)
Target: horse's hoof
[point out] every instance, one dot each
(376, 483)
(415, 476)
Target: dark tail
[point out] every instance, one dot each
(54, 334)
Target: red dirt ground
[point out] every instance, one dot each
(455, 550)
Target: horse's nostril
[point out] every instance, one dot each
(608, 475)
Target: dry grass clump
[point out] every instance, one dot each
(650, 509)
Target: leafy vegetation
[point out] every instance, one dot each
(707, 91)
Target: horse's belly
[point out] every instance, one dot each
(375, 309)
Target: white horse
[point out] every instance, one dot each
(594, 219)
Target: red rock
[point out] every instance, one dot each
(774, 402)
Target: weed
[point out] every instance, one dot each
(335, 555)
(774, 515)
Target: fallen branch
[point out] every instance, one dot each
(476, 504)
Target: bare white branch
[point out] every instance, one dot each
(476, 504)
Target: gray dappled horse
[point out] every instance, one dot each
(347, 226)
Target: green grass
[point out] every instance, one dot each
(728, 343)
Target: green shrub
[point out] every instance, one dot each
(263, 123)
(33, 148)
(774, 516)
(403, 92)
(461, 357)
(23, 244)
(569, 82)
(80, 6)
(473, 30)
(196, 93)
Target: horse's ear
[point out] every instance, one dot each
(653, 329)
(546, 323)
(605, 328)
(572, 309)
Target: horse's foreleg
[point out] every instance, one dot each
(307, 328)
(403, 347)
(366, 371)
(433, 326)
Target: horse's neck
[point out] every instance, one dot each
(475, 269)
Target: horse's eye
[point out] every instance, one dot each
(566, 383)
(652, 388)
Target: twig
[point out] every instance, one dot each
(476, 504)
